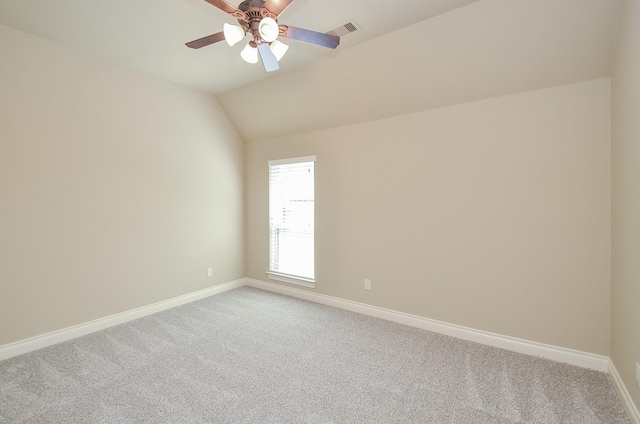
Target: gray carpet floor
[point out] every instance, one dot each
(250, 356)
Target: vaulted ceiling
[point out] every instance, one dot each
(407, 56)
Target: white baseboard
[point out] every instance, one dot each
(623, 393)
(560, 354)
(574, 357)
(38, 342)
(570, 356)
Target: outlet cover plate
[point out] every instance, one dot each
(638, 375)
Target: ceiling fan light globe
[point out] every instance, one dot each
(233, 33)
(249, 54)
(268, 29)
(279, 49)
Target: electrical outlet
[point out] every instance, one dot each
(209, 272)
(367, 284)
(638, 375)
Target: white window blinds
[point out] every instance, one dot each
(291, 217)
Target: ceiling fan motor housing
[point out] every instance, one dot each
(260, 19)
(251, 4)
(254, 13)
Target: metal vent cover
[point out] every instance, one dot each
(344, 29)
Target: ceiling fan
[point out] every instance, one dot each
(259, 18)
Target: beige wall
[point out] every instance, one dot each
(117, 190)
(493, 215)
(625, 308)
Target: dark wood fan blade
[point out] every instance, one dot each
(277, 6)
(268, 58)
(308, 36)
(223, 5)
(205, 41)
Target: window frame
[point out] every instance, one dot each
(305, 281)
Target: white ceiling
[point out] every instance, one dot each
(149, 35)
(410, 55)
(487, 49)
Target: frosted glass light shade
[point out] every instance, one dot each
(279, 49)
(233, 33)
(268, 29)
(249, 54)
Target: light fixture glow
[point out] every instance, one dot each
(233, 33)
(279, 49)
(268, 29)
(249, 54)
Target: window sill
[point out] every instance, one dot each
(292, 279)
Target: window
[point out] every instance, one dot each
(291, 220)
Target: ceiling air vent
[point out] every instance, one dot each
(345, 29)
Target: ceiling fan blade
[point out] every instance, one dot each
(268, 58)
(308, 36)
(276, 6)
(223, 5)
(205, 41)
